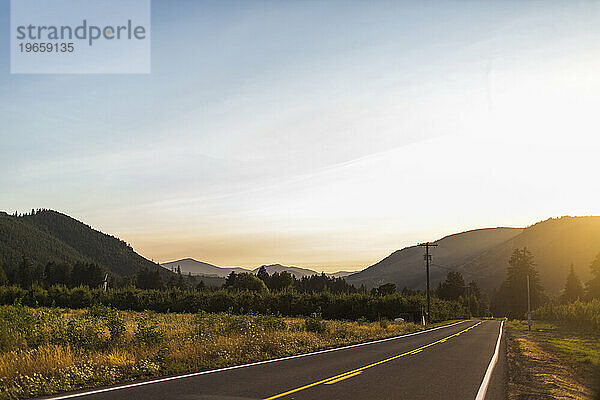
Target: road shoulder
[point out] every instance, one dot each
(542, 366)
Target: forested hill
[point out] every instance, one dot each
(20, 238)
(555, 244)
(47, 235)
(483, 255)
(406, 268)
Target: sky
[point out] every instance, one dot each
(318, 134)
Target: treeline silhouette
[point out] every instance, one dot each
(354, 306)
(279, 281)
(511, 297)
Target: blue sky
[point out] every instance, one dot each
(320, 134)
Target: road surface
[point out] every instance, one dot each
(451, 362)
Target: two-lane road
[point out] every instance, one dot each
(451, 362)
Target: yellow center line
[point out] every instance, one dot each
(357, 371)
(342, 378)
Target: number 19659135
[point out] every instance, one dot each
(46, 47)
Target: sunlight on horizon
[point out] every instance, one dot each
(328, 149)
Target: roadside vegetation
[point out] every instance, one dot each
(354, 306)
(553, 360)
(578, 314)
(48, 350)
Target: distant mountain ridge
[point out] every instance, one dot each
(196, 267)
(480, 254)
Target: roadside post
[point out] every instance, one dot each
(529, 322)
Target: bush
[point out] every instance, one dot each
(147, 332)
(85, 333)
(582, 315)
(112, 318)
(314, 323)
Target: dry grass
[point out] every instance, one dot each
(48, 359)
(541, 368)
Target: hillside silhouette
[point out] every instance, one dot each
(47, 235)
(406, 267)
(482, 255)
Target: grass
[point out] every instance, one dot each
(49, 350)
(579, 349)
(554, 360)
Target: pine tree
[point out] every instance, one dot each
(3, 280)
(573, 288)
(26, 273)
(511, 298)
(593, 286)
(453, 287)
(263, 275)
(521, 265)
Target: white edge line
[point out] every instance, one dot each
(171, 378)
(488, 373)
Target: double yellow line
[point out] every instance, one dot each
(357, 371)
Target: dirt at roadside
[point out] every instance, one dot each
(537, 371)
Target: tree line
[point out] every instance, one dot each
(353, 306)
(511, 298)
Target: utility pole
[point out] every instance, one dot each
(528, 305)
(468, 287)
(427, 257)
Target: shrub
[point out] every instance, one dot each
(314, 323)
(85, 333)
(112, 318)
(147, 332)
(582, 315)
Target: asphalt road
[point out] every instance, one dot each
(446, 363)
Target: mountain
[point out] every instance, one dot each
(205, 269)
(201, 268)
(406, 267)
(20, 238)
(555, 244)
(482, 255)
(296, 271)
(48, 235)
(340, 274)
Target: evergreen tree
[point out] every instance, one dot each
(573, 288)
(147, 279)
(263, 275)
(245, 281)
(280, 281)
(230, 280)
(453, 287)
(57, 273)
(387, 288)
(3, 280)
(511, 298)
(26, 272)
(593, 286)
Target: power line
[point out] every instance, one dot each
(465, 272)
